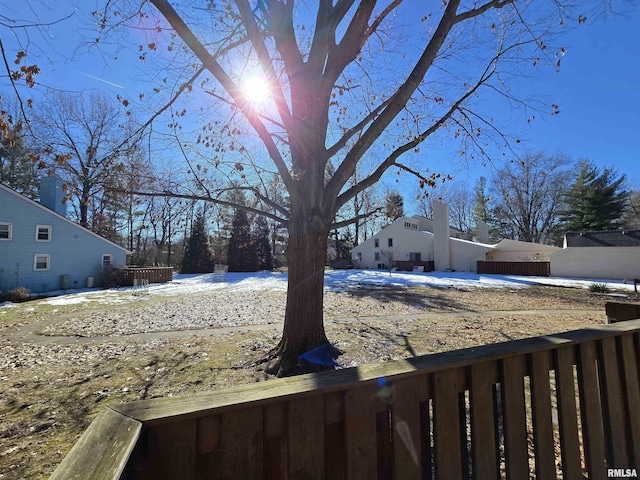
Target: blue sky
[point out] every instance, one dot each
(597, 89)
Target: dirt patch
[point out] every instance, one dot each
(52, 392)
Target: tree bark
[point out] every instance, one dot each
(304, 322)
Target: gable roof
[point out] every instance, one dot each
(616, 238)
(61, 217)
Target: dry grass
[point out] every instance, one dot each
(52, 392)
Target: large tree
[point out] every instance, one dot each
(596, 199)
(347, 86)
(84, 139)
(632, 212)
(528, 197)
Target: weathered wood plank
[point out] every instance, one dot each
(591, 411)
(567, 414)
(446, 425)
(426, 424)
(201, 404)
(306, 438)
(360, 424)
(384, 444)
(613, 403)
(275, 441)
(172, 451)
(514, 413)
(103, 450)
(484, 458)
(406, 430)
(334, 407)
(208, 434)
(542, 421)
(631, 394)
(241, 442)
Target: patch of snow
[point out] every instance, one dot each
(7, 305)
(334, 280)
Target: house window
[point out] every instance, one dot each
(359, 254)
(390, 242)
(107, 260)
(376, 243)
(377, 256)
(43, 233)
(414, 257)
(41, 262)
(5, 230)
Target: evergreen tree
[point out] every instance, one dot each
(18, 165)
(261, 235)
(481, 209)
(197, 256)
(394, 205)
(596, 200)
(241, 251)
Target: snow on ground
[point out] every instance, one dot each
(335, 280)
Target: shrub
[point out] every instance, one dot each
(16, 295)
(599, 287)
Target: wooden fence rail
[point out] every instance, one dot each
(538, 269)
(129, 275)
(559, 405)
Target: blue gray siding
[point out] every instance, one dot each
(73, 250)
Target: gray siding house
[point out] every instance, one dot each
(42, 250)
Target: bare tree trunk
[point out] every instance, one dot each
(303, 323)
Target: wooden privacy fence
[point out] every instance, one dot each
(550, 406)
(538, 269)
(621, 311)
(129, 275)
(407, 266)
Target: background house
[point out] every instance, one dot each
(415, 239)
(608, 255)
(42, 250)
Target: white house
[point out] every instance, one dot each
(607, 255)
(42, 250)
(417, 239)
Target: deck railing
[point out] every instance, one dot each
(550, 406)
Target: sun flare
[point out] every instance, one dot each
(255, 90)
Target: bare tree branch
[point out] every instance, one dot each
(217, 201)
(228, 84)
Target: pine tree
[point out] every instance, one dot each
(481, 209)
(394, 205)
(197, 256)
(596, 200)
(241, 251)
(261, 236)
(18, 166)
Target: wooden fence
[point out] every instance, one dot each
(128, 275)
(622, 311)
(551, 406)
(538, 269)
(407, 266)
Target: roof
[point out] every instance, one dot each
(616, 238)
(61, 217)
(508, 245)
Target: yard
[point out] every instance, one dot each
(65, 358)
